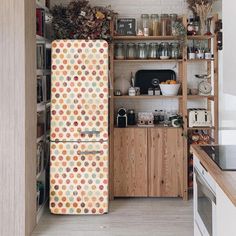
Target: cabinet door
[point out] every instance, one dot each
(165, 162)
(130, 162)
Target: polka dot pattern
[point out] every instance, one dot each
(79, 104)
(79, 178)
(79, 127)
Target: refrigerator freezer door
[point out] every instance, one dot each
(79, 103)
(79, 178)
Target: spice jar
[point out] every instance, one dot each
(119, 51)
(153, 51)
(131, 51)
(145, 24)
(155, 25)
(142, 51)
(164, 24)
(164, 51)
(173, 19)
(175, 51)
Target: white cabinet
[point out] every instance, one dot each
(222, 214)
(225, 214)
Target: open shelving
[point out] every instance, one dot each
(210, 101)
(42, 107)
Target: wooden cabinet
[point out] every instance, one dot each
(165, 162)
(148, 162)
(130, 162)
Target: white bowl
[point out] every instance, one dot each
(170, 89)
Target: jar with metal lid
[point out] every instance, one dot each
(173, 19)
(175, 50)
(145, 24)
(164, 24)
(131, 51)
(142, 50)
(119, 51)
(164, 51)
(155, 25)
(153, 51)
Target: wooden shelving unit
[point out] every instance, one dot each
(210, 100)
(42, 113)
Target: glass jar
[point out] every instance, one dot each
(131, 51)
(175, 51)
(145, 24)
(153, 51)
(155, 25)
(164, 24)
(142, 50)
(173, 19)
(120, 51)
(164, 51)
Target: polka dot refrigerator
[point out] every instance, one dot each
(79, 127)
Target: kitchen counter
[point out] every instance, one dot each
(225, 179)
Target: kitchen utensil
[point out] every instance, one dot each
(122, 118)
(169, 89)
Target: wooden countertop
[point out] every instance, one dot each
(225, 179)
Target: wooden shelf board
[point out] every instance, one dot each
(148, 60)
(147, 97)
(199, 60)
(41, 210)
(117, 37)
(192, 97)
(200, 37)
(41, 39)
(201, 128)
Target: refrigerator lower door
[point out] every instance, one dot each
(79, 178)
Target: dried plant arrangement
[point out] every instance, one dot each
(201, 8)
(79, 20)
(192, 4)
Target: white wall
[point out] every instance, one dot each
(227, 102)
(134, 8)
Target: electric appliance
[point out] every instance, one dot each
(222, 155)
(79, 127)
(204, 201)
(199, 118)
(122, 120)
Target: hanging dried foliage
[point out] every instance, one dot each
(79, 20)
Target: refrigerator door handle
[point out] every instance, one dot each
(89, 152)
(90, 132)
